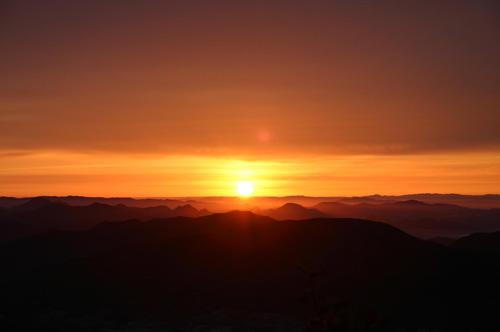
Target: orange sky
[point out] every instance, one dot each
(57, 173)
(186, 98)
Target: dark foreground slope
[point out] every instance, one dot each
(488, 243)
(174, 269)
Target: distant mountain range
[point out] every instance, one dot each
(40, 215)
(292, 211)
(471, 201)
(418, 218)
(224, 204)
(8, 202)
(424, 220)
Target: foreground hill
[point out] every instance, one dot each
(480, 242)
(168, 269)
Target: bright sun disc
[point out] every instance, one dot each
(245, 188)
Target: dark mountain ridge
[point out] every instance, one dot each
(224, 204)
(480, 242)
(8, 202)
(182, 267)
(293, 211)
(40, 215)
(420, 218)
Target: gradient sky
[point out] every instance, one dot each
(186, 98)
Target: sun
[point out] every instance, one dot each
(245, 188)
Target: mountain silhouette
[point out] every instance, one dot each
(292, 211)
(410, 202)
(359, 200)
(32, 204)
(9, 202)
(179, 268)
(40, 215)
(420, 218)
(445, 241)
(186, 210)
(480, 242)
(236, 259)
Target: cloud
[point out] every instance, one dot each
(179, 78)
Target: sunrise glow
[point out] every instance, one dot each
(245, 188)
(311, 98)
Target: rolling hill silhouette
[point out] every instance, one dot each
(182, 267)
(480, 242)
